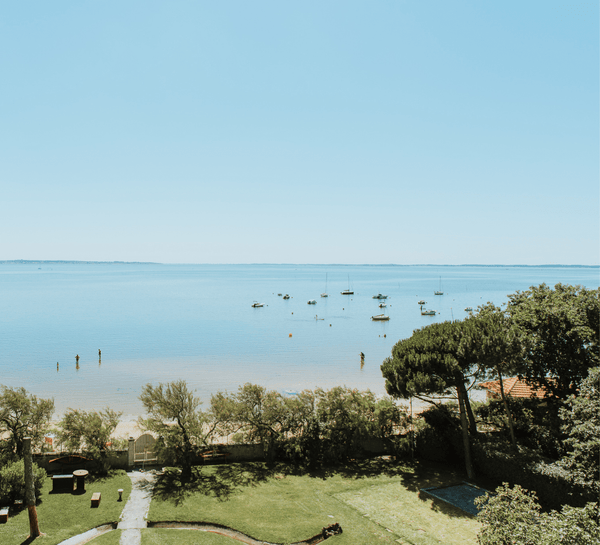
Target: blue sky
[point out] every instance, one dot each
(300, 132)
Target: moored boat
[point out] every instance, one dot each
(380, 318)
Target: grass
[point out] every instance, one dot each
(159, 536)
(61, 516)
(374, 501)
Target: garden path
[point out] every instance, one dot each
(133, 517)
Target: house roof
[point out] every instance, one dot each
(514, 387)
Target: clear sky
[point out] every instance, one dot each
(328, 131)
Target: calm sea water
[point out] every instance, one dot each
(157, 323)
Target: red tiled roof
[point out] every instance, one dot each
(513, 387)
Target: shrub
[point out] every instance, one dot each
(527, 468)
(12, 482)
(438, 436)
(537, 424)
(513, 515)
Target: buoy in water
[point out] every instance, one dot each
(290, 334)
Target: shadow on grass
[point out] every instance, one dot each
(220, 483)
(224, 480)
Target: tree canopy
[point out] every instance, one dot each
(560, 331)
(254, 414)
(23, 415)
(174, 415)
(581, 419)
(435, 360)
(89, 432)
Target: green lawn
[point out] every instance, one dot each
(159, 536)
(64, 515)
(375, 502)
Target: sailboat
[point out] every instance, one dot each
(439, 292)
(324, 294)
(348, 291)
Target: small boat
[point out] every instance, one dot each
(286, 296)
(382, 305)
(348, 291)
(439, 292)
(469, 309)
(257, 305)
(312, 302)
(325, 294)
(425, 312)
(380, 296)
(279, 295)
(422, 302)
(380, 318)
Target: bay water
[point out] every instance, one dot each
(158, 323)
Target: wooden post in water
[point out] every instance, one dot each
(34, 529)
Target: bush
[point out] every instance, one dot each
(513, 515)
(438, 435)
(12, 482)
(527, 468)
(537, 424)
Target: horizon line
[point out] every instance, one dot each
(116, 262)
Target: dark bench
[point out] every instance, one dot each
(62, 483)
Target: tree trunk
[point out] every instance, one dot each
(507, 409)
(465, 434)
(186, 471)
(472, 422)
(34, 529)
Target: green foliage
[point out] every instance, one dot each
(527, 468)
(581, 419)
(560, 329)
(324, 426)
(12, 482)
(430, 362)
(438, 435)
(513, 515)
(347, 417)
(253, 414)
(23, 415)
(500, 348)
(537, 424)
(89, 432)
(175, 417)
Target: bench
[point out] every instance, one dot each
(96, 496)
(4, 514)
(62, 483)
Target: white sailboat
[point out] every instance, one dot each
(325, 294)
(348, 291)
(439, 292)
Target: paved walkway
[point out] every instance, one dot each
(133, 517)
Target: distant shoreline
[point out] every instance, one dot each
(75, 262)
